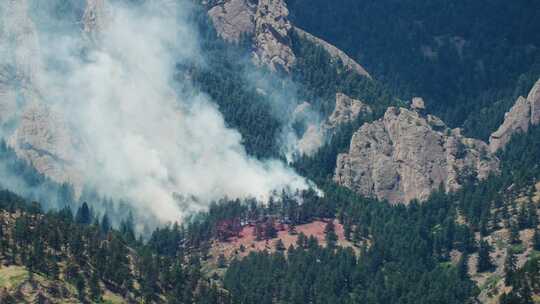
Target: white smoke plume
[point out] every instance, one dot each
(142, 139)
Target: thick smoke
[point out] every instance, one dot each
(143, 138)
(301, 124)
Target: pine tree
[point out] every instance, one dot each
(105, 224)
(509, 267)
(536, 239)
(484, 260)
(221, 262)
(279, 245)
(532, 216)
(463, 266)
(522, 218)
(83, 215)
(330, 234)
(95, 289)
(80, 285)
(514, 234)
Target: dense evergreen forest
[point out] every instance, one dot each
(403, 252)
(469, 60)
(227, 76)
(469, 67)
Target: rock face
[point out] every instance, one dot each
(525, 112)
(234, 19)
(94, 18)
(334, 52)
(272, 41)
(19, 58)
(266, 23)
(45, 141)
(534, 100)
(346, 110)
(418, 104)
(35, 132)
(19, 42)
(405, 156)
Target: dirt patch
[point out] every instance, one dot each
(246, 242)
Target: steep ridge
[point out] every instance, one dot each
(334, 52)
(266, 23)
(524, 113)
(41, 137)
(406, 155)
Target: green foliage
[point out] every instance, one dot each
(469, 67)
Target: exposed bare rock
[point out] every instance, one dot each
(534, 100)
(418, 104)
(525, 112)
(233, 19)
(265, 21)
(19, 45)
(40, 137)
(44, 140)
(346, 110)
(405, 156)
(19, 58)
(272, 44)
(95, 18)
(334, 52)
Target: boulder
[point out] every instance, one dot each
(418, 104)
(402, 157)
(346, 110)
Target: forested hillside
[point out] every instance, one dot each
(322, 243)
(469, 60)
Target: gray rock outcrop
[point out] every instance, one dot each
(272, 43)
(36, 133)
(234, 19)
(418, 104)
(346, 110)
(405, 156)
(45, 141)
(94, 18)
(524, 113)
(266, 23)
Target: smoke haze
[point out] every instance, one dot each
(141, 136)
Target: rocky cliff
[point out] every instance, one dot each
(36, 132)
(405, 156)
(266, 23)
(94, 18)
(346, 110)
(524, 113)
(19, 59)
(45, 141)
